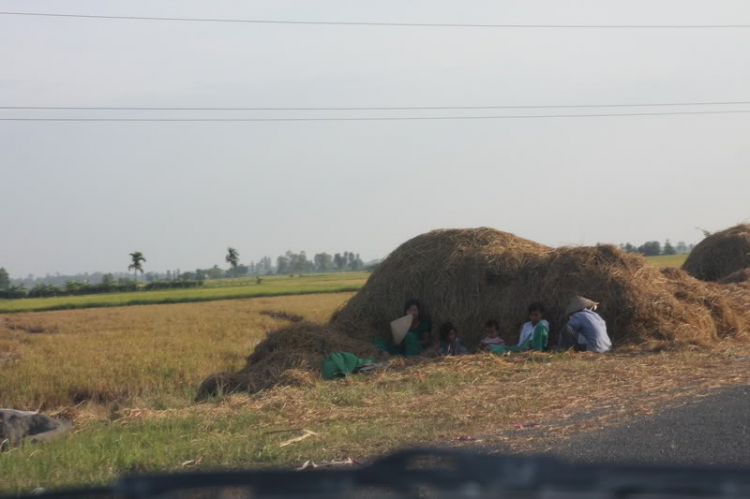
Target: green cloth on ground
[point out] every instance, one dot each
(537, 342)
(339, 364)
(410, 346)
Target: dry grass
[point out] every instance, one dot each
(154, 352)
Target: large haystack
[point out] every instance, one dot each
(720, 254)
(471, 275)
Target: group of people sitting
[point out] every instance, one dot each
(585, 330)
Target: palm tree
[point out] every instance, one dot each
(233, 257)
(136, 257)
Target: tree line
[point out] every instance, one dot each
(287, 264)
(655, 248)
(108, 284)
(80, 284)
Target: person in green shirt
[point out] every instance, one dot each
(533, 335)
(417, 339)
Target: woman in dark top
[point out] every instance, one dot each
(419, 336)
(417, 339)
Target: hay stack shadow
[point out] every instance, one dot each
(467, 276)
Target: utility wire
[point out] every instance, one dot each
(388, 108)
(389, 118)
(376, 24)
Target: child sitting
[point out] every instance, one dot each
(492, 330)
(528, 339)
(449, 343)
(533, 334)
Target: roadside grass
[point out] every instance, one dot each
(440, 402)
(126, 377)
(214, 290)
(667, 260)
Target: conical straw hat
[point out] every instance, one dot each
(578, 303)
(400, 327)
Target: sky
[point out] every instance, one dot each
(81, 196)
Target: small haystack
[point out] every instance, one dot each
(471, 275)
(287, 355)
(720, 254)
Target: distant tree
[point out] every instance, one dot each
(72, 287)
(233, 258)
(357, 264)
(682, 247)
(668, 248)
(4, 279)
(349, 260)
(629, 248)
(282, 264)
(216, 273)
(323, 262)
(201, 274)
(137, 259)
(651, 248)
(108, 282)
(339, 261)
(301, 264)
(265, 266)
(125, 283)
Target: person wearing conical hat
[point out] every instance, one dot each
(411, 333)
(586, 327)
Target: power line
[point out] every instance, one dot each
(374, 24)
(388, 118)
(388, 108)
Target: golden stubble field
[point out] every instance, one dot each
(153, 355)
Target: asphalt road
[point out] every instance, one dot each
(710, 430)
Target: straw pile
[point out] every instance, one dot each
(720, 254)
(469, 276)
(472, 275)
(290, 356)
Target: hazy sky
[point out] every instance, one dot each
(81, 196)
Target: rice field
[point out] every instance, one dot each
(667, 260)
(222, 289)
(126, 376)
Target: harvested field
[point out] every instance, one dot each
(151, 355)
(467, 276)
